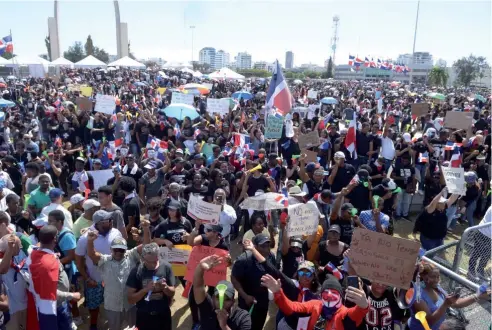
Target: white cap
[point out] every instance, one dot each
(339, 154)
(89, 204)
(407, 137)
(77, 198)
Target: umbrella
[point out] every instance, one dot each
(329, 100)
(192, 91)
(480, 98)
(181, 110)
(11, 78)
(297, 81)
(437, 96)
(264, 202)
(6, 103)
(139, 83)
(198, 87)
(242, 94)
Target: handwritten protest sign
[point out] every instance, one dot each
(382, 258)
(101, 177)
(177, 256)
(86, 91)
(420, 109)
(219, 106)
(312, 94)
(311, 156)
(308, 140)
(84, 104)
(182, 98)
(311, 109)
(105, 104)
(212, 277)
(198, 209)
(273, 129)
(303, 219)
(458, 120)
(455, 180)
(264, 202)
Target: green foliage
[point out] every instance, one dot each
(8, 56)
(469, 68)
(254, 73)
(101, 54)
(438, 76)
(75, 52)
(202, 67)
(312, 74)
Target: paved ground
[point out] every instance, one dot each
(180, 311)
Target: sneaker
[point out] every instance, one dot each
(77, 320)
(195, 326)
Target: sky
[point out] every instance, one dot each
(266, 29)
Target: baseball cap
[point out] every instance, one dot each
(174, 205)
(363, 175)
(296, 242)
(55, 193)
(229, 292)
(349, 207)
(80, 159)
(89, 204)
(296, 191)
(77, 198)
(407, 137)
(151, 165)
(310, 167)
(179, 151)
(339, 154)
(306, 265)
(101, 215)
(335, 228)
(261, 239)
(179, 160)
(119, 243)
(389, 184)
(216, 228)
(97, 161)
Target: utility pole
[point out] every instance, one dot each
(192, 27)
(414, 40)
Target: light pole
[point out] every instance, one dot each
(414, 40)
(192, 27)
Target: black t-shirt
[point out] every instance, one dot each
(347, 227)
(131, 208)
(255, 184)
(291, 260)
(137, 176)
(343, 177)
(140, 276)
(362, 143)
(274, 172)
(314, 188)
(375, 170)
(222, 245)
(202, 191)
(175, 176)
(376, 144)
(118, 196)
(359, 197)
(173, 231)
(432, 225)
(239, 319)
(326, 257)
(388, 203)
(438, 147)
(406, 172)
(383, 311)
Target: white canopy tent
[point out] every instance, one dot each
(176, 65)
(197, 74)
(127, 62)
(61, 61)
(225, 73)
(90, 62)
(187, 70)
(4, 61)
(37, 66)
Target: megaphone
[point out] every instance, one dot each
(421, 317)
(256, 168)
(221, 288)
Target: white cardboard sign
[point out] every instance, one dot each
(105, 104)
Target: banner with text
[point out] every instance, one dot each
(101, 177)
(177, 256)
(273, 129)
(182, 98)
(219, 106)
(303, 219)
(198, 209)
(105, 104)
(455, 180)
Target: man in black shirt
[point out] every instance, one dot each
(131, 169)
(131, 203)
(404, 176)
(376, 141)
(227, 317)
(363, 144)
(341, 173)
(178, 173)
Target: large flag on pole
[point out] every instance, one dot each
(6, 45)
(279, 95)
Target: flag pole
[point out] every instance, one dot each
(414, 40)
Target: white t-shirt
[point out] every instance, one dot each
(387, 148)
(3, 201)
(68, 223)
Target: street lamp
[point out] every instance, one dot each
(192, 27)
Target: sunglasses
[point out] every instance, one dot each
(305, 273)
(154, 208)
(119, 250)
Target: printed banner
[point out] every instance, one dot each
(273, 129)
(309, 140)
(105, 104)
(212, 277)
(303, 219)
(198, 209)
(177, 256)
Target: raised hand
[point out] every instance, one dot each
(269, 282)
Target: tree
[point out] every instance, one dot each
(101, 54)
(329, 69)
(468, 68)
(254, 73)
(75, 52)
(47, 43)
(89, 46)
(130, 54)
(438, 76)
(312, 74)
(150, 64)
(8, 56)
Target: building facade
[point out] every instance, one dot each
(289, 60)
(260, 65)
(222, 59)
(207, 56)
(243, 61)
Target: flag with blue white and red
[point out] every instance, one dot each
(6, 45)
(279, 95)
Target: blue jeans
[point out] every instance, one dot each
(387, 164)
(470, 209)
(450, 213)
(429, 244)
(421, 169)
(403, 206)
(64, 316)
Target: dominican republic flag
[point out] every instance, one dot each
(451, 145)
(373, 64)
(6, 45)
(367, 63)
(350, 137)
(424, 158)
(358, 61)
(456, 159)
(44, 269)
(80, 181)
(241, 140)
(197, 132)
(334, 270)
(406, 69)
(113, 146)
(279, 95)
(351, 60)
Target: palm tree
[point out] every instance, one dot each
(438, 76)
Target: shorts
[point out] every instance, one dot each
(94, 297)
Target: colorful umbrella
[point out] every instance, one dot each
(329, 100)
(181, 110)
(196, 87)
(437, 96)
(6, 103)
(480, 98)
(242, 95)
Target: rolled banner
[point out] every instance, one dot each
(154, 279)
(221, 288)
(421, 317)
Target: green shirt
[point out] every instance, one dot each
(39, 199)
(80, 224)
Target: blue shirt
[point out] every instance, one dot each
(67, 243)
(367, 219)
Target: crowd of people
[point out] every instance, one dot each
(66, 237)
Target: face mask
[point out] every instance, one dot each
(151, 153)
(331, 298)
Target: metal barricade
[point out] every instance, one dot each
(466, 263)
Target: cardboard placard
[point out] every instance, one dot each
(84, 104)
(273, 129)
(311, 156)
(182, 98)
(219, 106)
(455, 180)
(86, 91)
(178, 257)
(312, 94)
(458, 120)
(382, 258)
(198, 209)
(420, 109)
(304, 219)
(211, 277)
(105, 104)
(309, 140)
